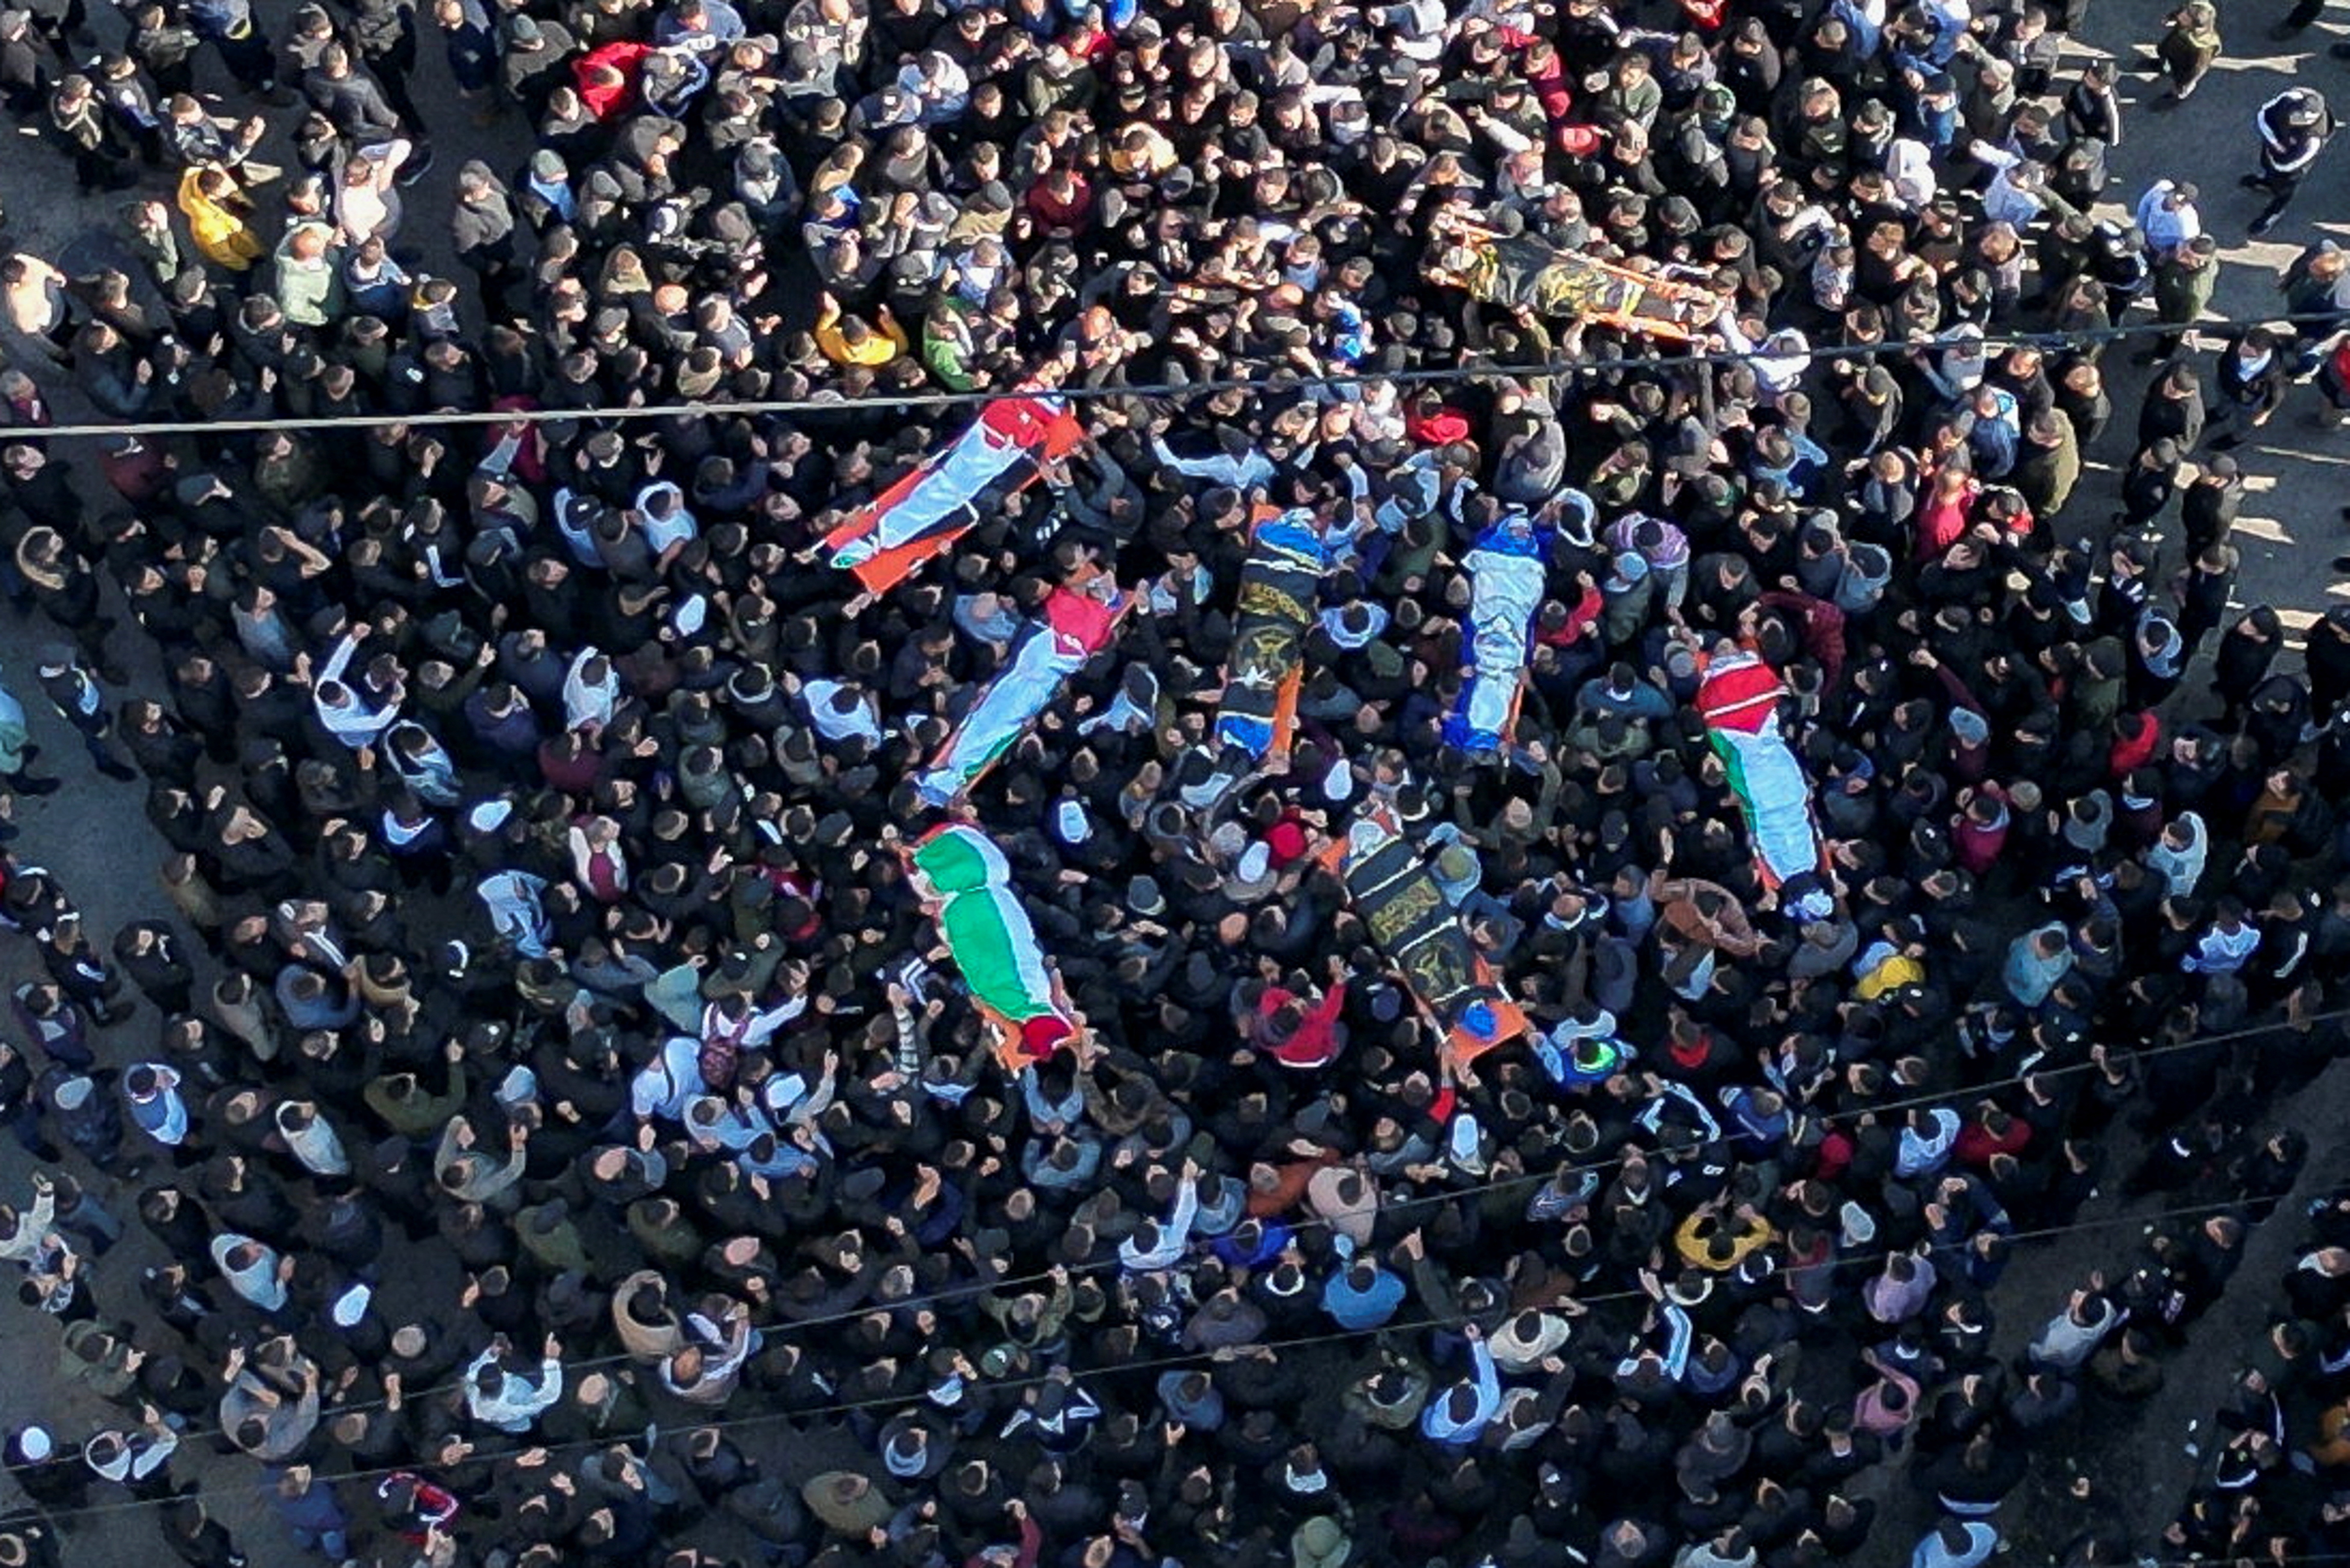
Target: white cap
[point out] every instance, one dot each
(519, 1087)
(351, 1305)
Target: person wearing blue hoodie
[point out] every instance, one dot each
(1956, 1543)
(1190, 1398)
(1362, 1296)
(1459, 1415)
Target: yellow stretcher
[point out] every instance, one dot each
(1524, 273)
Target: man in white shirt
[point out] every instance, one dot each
(500, 1395)
(343, 708)
(2166, 215)
(840, 710)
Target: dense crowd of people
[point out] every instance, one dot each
(566, 1140)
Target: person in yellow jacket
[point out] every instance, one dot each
(1883, 967)
(216, 211)
(848, 341)
(1709, 1242)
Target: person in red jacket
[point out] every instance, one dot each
(1431, 423)
(414, 1507)
(1004, 1555)
(1556, 630)
(1062, 202)
(1979, 831)
(607, 77)
(1299, 1036)
(1944, 515)
(1992, 1132)
(1821, 625)
(2136, 736)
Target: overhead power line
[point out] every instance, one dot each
(1451, 1194)
(1178, 391)
(1185, 1358)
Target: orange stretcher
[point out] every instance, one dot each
(1257, 711)
(1524, 273)
(886, 540)
(1391, 886)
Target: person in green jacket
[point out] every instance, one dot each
(409, 1109)
(946, 344)
(2183, 282)
(847, 1504)
(307, 274)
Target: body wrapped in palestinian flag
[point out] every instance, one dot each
(1281, 585)
(1393, 888)
(1738, 697)
(1077, 623)
(1506, 588)
(922, 515)
(966, 884)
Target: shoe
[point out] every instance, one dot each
(2261, 225)
(115, 770)
(24, 786)
(2342, 563)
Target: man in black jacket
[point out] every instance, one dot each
(2293, 127)
(2208, 506)
(483, 226)
(349, 98)
(79, 122)
(2253, 379)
